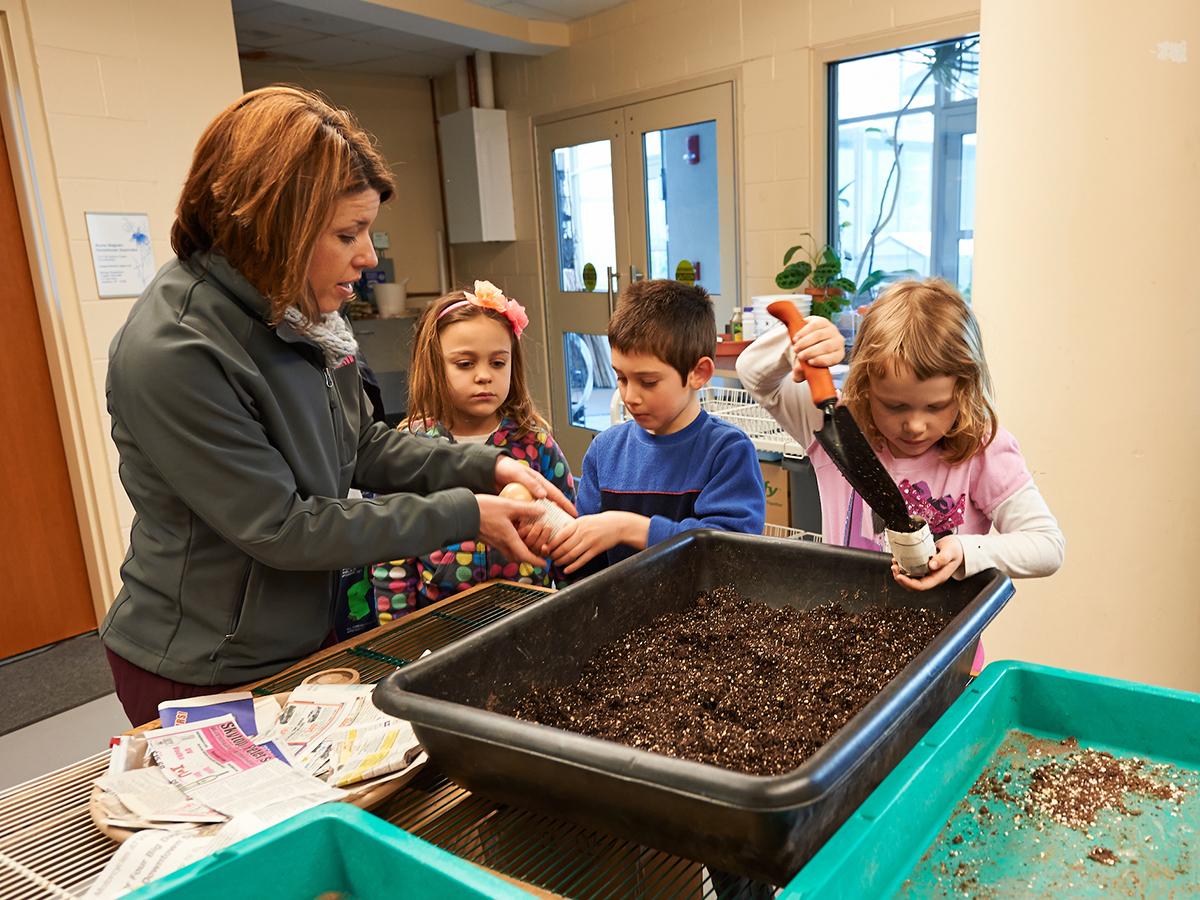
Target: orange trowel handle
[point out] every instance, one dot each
(820, 382)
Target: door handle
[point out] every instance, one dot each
(634, 275)
(612, 297)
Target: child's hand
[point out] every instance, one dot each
(818, 343)
(590, 536)
(538, 534)
(942, 565)
(509, 470)
(499, 518)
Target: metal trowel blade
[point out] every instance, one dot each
(851, 452)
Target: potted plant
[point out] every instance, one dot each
(822, 271)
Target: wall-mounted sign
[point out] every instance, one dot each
(121, 253)
(685, 272)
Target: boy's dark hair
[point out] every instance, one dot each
(667, 319)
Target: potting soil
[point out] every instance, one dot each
(736, 683)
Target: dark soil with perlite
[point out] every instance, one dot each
(1052, 818)
(736, 683)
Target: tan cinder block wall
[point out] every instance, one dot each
(1087, 293)
(399, 113)
(648, 44)
(128, 86)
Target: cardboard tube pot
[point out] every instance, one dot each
(912, 550)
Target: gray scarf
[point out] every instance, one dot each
(332, 334)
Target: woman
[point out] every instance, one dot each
(241, 424)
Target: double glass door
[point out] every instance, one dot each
(641, 191)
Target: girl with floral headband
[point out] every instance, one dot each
(467, 385)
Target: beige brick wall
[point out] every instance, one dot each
(399, 113)
(127, 86)
(650, 44)
(1100, 384)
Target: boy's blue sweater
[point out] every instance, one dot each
(705, 476)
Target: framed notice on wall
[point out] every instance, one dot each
(121, 253)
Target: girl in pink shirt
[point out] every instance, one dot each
(920, 390)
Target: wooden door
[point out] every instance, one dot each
(44, 592)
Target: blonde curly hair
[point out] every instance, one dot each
(927, 327)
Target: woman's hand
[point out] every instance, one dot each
(508, 470)
(818, 343)
(499, 519)
(942, 565)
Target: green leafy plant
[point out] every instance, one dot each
(947, 64)
(821, 270)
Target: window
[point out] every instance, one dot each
(902, 170)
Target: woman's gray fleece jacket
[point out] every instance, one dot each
(237, 449)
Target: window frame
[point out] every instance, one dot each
(950, 118)
(825, 137)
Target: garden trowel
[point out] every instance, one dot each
(851, 452)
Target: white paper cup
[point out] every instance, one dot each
(391, 299)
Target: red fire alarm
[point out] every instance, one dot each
(693, 149)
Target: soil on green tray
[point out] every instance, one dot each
(736, 683)
(1066, 819)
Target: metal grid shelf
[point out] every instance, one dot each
(562, 858)
(792, 534)
(447, 624)
(370, 670)
(739, 409)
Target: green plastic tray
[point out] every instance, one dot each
(335, 847)
(923, 816)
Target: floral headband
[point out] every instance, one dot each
(488, 296)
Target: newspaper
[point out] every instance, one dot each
(199, 752)
(143, 858)
(313, 711)
(259, 787)
(378, 747)
(149, 795)
(152, 854)
(118, 815)
(253, 715)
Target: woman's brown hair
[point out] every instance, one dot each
(428, 395)
(928, 327)
(263, 183)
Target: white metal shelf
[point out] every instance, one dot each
(792, 534)
(739, 409)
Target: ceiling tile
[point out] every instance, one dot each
(258, 30)
(310, 20)
(335, 51)
(527, 11)
(414, 65)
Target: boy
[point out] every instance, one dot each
(673, 467)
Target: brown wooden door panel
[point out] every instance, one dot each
(44, 592)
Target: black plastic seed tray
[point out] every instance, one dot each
(766, 827)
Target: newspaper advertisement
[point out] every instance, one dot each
(199, 752)
(313, 711)
(378, 747)
(254, 715)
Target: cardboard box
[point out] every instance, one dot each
(775, 486)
